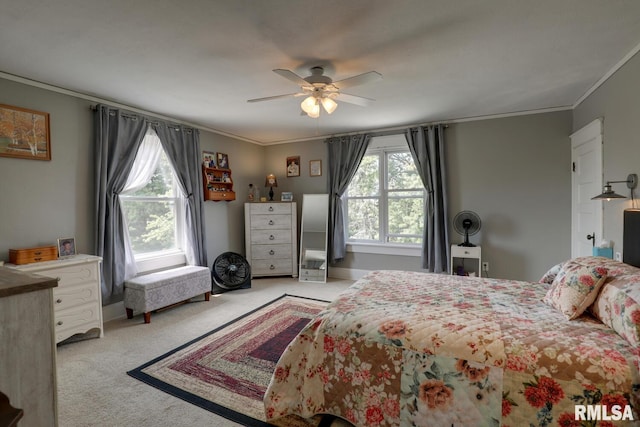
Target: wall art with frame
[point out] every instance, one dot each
(293, 166)
(24, 133)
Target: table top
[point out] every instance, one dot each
(13, 282)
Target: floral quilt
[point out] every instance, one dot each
(419, 349)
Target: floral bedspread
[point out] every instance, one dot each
(419, 349)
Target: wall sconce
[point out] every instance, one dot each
(271, 181)
(608, 193)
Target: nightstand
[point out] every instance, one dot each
(466, 260)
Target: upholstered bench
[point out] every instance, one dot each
(164, 288)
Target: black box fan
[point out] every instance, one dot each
(230, 271)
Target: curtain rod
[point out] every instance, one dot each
(133, 116)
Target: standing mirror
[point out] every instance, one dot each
(313, 237)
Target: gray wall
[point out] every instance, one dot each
(618, 102)
(514, 173)
(45, 200)
(511, 171)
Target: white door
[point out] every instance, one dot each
(586, 182)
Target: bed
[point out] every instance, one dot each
(419, 349)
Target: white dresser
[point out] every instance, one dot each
(271, 238)
(77, 300)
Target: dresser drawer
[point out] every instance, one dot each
(269, 237)
(267, 222)
(76, 320)
(73, 275)
(271, 266)
(73, 296)
(311, 274)
(270, 208)
(271, 251)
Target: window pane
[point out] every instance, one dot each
(366, 181)
(161, 184)
(406, 216)
(364, 217)
(150, 212)
(151, 224)
(402, 171)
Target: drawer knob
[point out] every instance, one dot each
(58, 301)
(60, 322)
(37, 259)
(270, 222)
(270, 208)
(37, 253)
(271, 237)
(272, 267)
(271, 252)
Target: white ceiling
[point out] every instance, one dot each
(200, 60)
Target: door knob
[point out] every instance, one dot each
(592, 237)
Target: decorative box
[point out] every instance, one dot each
(29, 255)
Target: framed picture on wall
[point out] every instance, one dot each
(24, 133)
(315, 167)
(293, 166)
(223, 161)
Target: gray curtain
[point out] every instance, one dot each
(182, 146)
(427, 149)
(118, 136)
(344, 155)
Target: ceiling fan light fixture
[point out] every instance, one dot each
(329, 105)
(309, 104)
(315, 112)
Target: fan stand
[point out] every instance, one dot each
(466, 224)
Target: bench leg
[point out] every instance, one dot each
(207, 296)
(129, 313)
(147, 317)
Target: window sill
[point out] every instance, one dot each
(160, 261)
(372, 248)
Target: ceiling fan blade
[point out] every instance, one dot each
(360, 79)
(353, 99)
(290, 75)
(269, 98)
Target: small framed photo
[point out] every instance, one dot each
(223, 161)
(66, 247)
(209, 159)
(293, 166)
(286, 196)
(315, 167)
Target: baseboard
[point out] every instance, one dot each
(346, 273)
(113, 311)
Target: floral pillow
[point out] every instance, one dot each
(575, 287)
(550, 275)
(618, 306)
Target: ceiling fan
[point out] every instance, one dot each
(322, 90)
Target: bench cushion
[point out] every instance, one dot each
(161, 289)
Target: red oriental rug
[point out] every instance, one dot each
(228, 370)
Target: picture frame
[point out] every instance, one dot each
(223, 161)
(24, 133)
(66, 247)
(293, 166)
(286, 196)
(209, 159)
(315, 167)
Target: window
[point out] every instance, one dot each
(384, 203)
(153, 207)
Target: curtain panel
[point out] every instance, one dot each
(118, 136)
(344, 155)
(426, 144)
